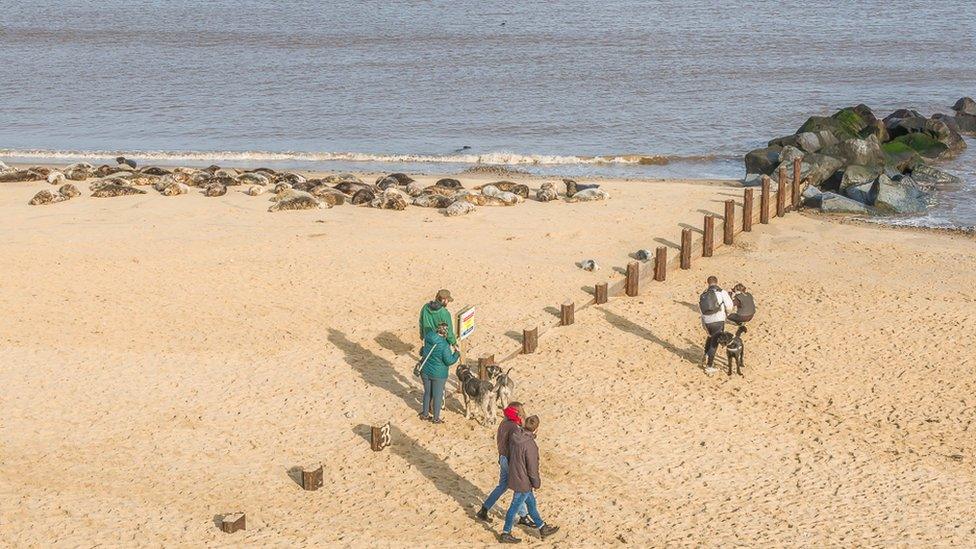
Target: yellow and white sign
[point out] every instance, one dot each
(465, 323)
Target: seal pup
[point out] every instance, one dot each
(506, 197)
(114, 189)
(55, 177)
(301, 202)
(588, 265)
(363, 196)
(255, 190)
(215, 189)
(546, 193)
(121, 160)
(46, 197)
(390, 199)
(642, 255)
(69, 191)
(459, 207)
(589, 195)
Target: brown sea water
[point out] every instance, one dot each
(407, 85)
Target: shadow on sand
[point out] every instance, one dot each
(375, 369)
(692, 353)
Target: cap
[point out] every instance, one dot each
(444, 295)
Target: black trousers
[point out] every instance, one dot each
(711, 343)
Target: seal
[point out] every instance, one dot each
(414, 189)
(155, 170)
(449, 183)
(437, 189)
(506, 197)
(215, 189)
(363, 196)
(509, 186)
(55, 177)
(342, 178)
(327, 194)
(390, 199)
(590, 195)
(482, 200)
(303, 202)
(45, 197)
(69, 191)
(282, 187)
(459, 207)
(114, 189)
(385, 182)
(572, 187)
(351, 187)
(79, 172)
(402, 178)
(254, 178)
(433, 201)
(546, 193)
(21, 175)
(121, 160)
(255, 190)
(172, 188)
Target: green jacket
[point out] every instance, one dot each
(433, 314)
(440, 361)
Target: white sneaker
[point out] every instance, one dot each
(710, 371)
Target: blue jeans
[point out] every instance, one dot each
(518, 500)
(502, 486)
(433, 389)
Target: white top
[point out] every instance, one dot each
(725, 305)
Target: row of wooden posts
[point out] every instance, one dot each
(630, 285)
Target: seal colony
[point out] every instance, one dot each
(293, 191)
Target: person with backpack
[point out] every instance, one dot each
(714, 304)
(745, 305)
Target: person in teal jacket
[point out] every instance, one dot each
(439, 359)
(435, 312)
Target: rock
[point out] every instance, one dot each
(752, 180)
(930, 137)
(888, 196)
(788, 154)
(811, 196)
(925, 145)
(855, 176)
(817, 169)
(861, 193)
(762, 161)
(835, 203)
(827, 138)
(863, 152)
(965, 105)
(961, 123)
(805, 141)
(927, 178)
(899, 156)
(878, 130)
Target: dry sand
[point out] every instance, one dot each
(167, 360)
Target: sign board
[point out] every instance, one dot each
(465, 323)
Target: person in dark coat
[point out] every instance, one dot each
(512, 422)
(524, 479)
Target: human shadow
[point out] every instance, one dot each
(668, 243)
(392, 342)
(689, 305)
(435, 469)
(690, 354)
(375, 369)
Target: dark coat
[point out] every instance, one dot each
(523, 462)
(504, 435)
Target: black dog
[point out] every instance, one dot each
(735, 349)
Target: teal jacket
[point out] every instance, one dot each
(440, 361)
(433, 314)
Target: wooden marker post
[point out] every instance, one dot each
(747, 200)
(661, 263)
(312, 478)
(601, 293)
(781, 193)
(233, 522)
(567, 313)
(633, 279)
(380, 437)
(483, 364)
(686, 248)
(530, 340)
(764, 201)
(729, 224)
(795, 202)
(708, 242)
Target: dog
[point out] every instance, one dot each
(734, 348)
(476, 393)
(504, 385)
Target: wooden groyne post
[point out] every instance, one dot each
(686, 248)
(708, 242)
(795, 202)
(567, 314)
(380, 437)
(530, 340)
(661, 263)
(483, 364)
(781, 193)
(729, 225)
(312, 478)
(633, 279)
(233, 522)
(600, 292)
(764, 201)
(747, 200)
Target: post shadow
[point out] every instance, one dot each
(690, 354)
(694, 229)
(713, 214)
(668, 243)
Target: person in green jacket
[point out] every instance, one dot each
(439, 358)
(434, 313)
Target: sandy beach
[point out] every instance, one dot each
(166, 360)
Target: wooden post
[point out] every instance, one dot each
(708, 242)
(380, 437)
(747, 200)
(233, 522)
(530, 340)
(633, 279)
(781, 193)
(764, 201)
(567, 313)
(483, 364)
(729, 224)
(601, 293)
(661, 263)
(685, 248)
(795, 202)
(312, 479)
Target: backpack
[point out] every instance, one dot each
(746, 305)
(708, 301)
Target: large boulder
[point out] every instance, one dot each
(762, 161)
(939, 139)
(965, 105)
(961, 123)
(900, 156)
(835, 203)
(807, 142)
(900, 197)
(863, 152)
(817, 168)
(752, 180)
(927, 178)
(788, 154)
(812, 197)
(861, 193)
(844, 124)
(856, 175)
